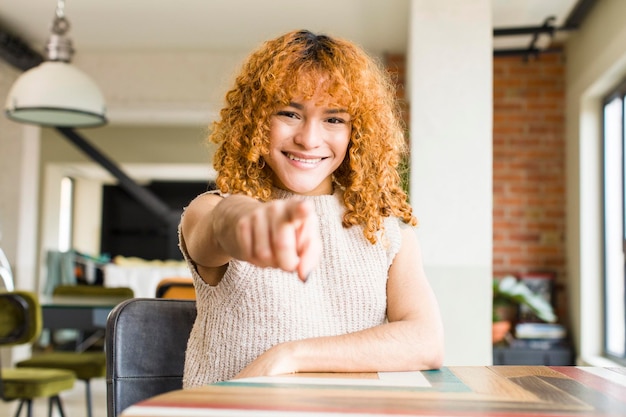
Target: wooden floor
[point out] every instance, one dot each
(73, 402)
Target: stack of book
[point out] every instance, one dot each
(539, 335)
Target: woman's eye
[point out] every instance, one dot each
(335, 120)
(287, 113)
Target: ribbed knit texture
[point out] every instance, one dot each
(253, 309)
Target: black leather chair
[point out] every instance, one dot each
(146, 340)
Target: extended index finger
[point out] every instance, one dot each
(298, 210)
(308, 239)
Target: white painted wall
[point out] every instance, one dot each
(451, 151)
(596, 62)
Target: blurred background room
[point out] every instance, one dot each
(515, 123)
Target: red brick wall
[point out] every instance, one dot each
(528, 163)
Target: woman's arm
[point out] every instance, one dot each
(411, 340)
(281, 234)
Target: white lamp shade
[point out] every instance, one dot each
(55, 93)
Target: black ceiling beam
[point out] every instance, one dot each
(531, 50)
(168, 216)
(573, 21)
(524, 51)
(522, 30)
(16, 53)
(151, 201)
(547, 27)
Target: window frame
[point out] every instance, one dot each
(619, 92)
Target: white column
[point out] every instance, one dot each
(28, 257)
(19, 176)
(450, 94)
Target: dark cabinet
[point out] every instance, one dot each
(556, 355)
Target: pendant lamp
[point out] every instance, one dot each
(55, 93)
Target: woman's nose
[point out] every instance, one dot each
(310, 135)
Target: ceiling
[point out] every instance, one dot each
(378, 25)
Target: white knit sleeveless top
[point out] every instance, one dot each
(253, 309)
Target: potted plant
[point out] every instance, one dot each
(508, 294)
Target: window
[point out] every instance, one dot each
(614, 224)
(66, 214)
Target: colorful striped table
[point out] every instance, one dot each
(503, 391)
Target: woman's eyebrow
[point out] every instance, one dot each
(335, 111)
(296, 105)
(300, 106)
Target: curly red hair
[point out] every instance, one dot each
(291, 66)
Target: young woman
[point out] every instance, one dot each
(306, 259)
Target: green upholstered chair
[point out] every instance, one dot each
(20, 323)
(86, 365)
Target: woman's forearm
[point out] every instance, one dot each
(208, 225)
(397, 346)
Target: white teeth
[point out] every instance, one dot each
(305, 161)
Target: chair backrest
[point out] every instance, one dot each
(93, 291)
(146, 339)
(20, 318)
(176, 287)
(20, 322)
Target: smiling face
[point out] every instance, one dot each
(308, 142)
